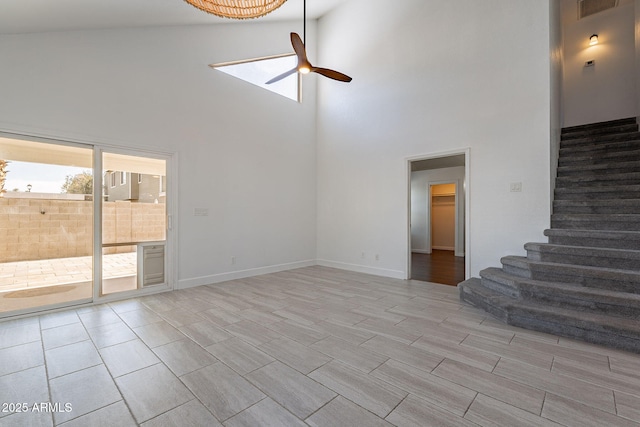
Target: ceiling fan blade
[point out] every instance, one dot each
(298, 48)
(282, 76)
(332, 74)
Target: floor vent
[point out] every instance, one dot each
(591, 7)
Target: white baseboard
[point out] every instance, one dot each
(460, 254)
(420, 251)
(444, 248)
(395, 274)
(232, 275)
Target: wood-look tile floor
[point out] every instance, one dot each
(314, 346)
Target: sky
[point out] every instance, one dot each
(43, 178)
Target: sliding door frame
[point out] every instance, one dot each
(171, 257)
(170, 253)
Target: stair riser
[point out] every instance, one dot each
(508, 289)
(595, 195)
(590, 182)
(559, 325)
(595, 172)
(606, 338)
(578, 209)
(563, 298)
(595, 243)
(591, 305)
(582, 278)
(589, 127)
(591, 261)
(598, 147)
(579, 278)
(603, 224)
(480, 302)
(599, 159)
(606, 138)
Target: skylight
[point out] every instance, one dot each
(258, 71)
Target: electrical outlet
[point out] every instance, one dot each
(200, 212)
(377, 257)
(233, 260)
(516, 187)
(362, 255)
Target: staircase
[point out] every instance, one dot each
(584, 283)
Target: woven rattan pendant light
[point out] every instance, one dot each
(237, 9)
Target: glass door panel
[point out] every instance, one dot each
(134, 224)
(46, 225)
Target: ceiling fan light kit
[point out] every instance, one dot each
(237, 9)
(304, 66)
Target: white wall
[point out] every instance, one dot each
(606, 91)
(557, 111)
(432, 77)
(244, 153)
(420, 229)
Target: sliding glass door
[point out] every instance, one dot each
(71, 235)
(46, 225)
(134, 222)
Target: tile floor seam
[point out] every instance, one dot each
(46, 369)
(322, 406)
(110, 375)
(395, 407)
(470, 404)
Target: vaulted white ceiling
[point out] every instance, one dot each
(33, 16)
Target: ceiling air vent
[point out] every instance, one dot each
(591, 7)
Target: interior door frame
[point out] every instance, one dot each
(466, 187)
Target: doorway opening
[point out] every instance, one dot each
(438, 219)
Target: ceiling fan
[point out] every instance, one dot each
(304, 66)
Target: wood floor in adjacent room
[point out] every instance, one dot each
(313, 346)
(439, 266)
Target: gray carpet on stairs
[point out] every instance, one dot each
(585, 282)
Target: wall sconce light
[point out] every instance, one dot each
(593, 40)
